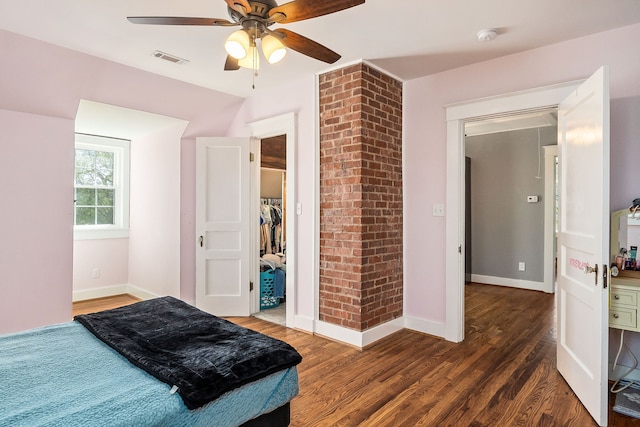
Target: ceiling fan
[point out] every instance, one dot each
(255, 17)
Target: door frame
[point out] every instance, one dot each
(550, 238)
(284, 124)
(457, 115)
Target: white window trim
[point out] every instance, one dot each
(120, 148)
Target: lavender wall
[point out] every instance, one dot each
(48, 82)
(36, 235)
(154, 237)
(625, 151)
(300, 99)
(425, 138)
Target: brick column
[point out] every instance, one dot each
(360, 197)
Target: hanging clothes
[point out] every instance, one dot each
(265, 229)
(271, 226)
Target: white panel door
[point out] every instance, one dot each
(222, 226)
(583, 239)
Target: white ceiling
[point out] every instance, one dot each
(408, 38)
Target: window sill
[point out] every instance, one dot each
(97, 234)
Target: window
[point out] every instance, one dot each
(101, 183)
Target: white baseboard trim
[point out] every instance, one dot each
(141, 293)
(303, 323)
(109, 291)
(425, 326)
(357, 338)
(505, 281)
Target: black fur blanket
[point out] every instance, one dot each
(201, 354)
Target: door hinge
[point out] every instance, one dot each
(605, 277)
(459, 249)
(250, 286)
(252, 157)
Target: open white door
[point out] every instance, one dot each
(222, 226)
(583, 239)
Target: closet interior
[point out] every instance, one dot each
(273, 232)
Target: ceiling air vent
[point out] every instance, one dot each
(167, 57)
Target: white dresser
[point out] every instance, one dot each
(624, 300)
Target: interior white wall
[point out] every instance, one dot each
(154, 238)
(110, 256)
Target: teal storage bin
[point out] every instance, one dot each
(267, 298)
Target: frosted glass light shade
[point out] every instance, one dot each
(251, 60)
(237, 44)
(273, 49)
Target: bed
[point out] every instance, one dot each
(157, 362)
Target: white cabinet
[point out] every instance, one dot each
(624, 298)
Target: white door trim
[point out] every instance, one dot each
(550, 154)
(284, 124)
(457, 115)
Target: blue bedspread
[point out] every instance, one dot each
(61, 375)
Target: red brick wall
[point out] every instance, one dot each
(360, 197)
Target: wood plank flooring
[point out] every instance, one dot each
(503, 374)
(99, 304)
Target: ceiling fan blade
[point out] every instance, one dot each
(299, 10)
(307, 46)
(241, 6)
(231, 64)
(179, 20)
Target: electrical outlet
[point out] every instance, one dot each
(438, 210)
(521, 266)
(95, 273)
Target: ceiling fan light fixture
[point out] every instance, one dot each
(237, 44)
(251, 60)
(273, 49)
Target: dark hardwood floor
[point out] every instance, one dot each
(503, 374)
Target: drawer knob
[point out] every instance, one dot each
(615, 315)
(616, 296)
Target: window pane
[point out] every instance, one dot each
(100, 175)
(85, 197)
(85, 158)
(104, 168)
(104, 160)
(104, 177)
(105, 197)
(85, 176)
(85, 216)
(105, 216)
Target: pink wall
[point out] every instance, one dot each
(625, 151)
(48, 82)
(299, 98)
(625, 186)
(425, 137)
(36, 236)
(154, 238)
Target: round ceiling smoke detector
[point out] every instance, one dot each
(487, 35)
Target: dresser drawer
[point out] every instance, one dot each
(624, 297)
(624, 318)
